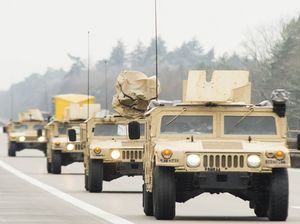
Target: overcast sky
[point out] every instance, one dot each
(37, 34)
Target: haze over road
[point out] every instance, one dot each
(23, 202)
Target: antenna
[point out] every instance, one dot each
(88, 77)
(156, 54)
(12, 102)
(105, 73)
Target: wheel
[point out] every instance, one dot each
(164, 193)
(279, 195)
(56, 162)
(45, 152)
(12, 148)
(261, 209)
(49, 170)
(86, 181)
(95, 178)
(147, 202)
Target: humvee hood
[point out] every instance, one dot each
(60, 139)
(210, 145)
(116, 144)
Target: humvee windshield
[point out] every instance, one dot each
(186, 124)
(38, 126)
(20, 127)
(114, 130)
(63, 128)
(252, 125)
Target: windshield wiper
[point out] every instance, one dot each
(174, 118)
(251, 109)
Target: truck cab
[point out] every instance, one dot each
(216, 141)
(108, 151)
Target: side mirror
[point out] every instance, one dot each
(4, 129)
(39, 132)
(134, 130)
(298, 141)
(72, 135)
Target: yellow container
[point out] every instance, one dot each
(60, 102)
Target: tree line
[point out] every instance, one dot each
(273, 59)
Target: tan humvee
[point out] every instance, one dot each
(108, 152)
(216, 142)
(26, 133)
(62, 151)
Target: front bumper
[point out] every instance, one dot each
(224, 162)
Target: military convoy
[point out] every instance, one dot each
(215, 141)
(26, 133)
(70, 112)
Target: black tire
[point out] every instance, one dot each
(147, 202)
(86, 182)
(261, 209)
(95, 177)
(49, 166)
(164, 193)
(279, 195)
(56, 162)
(12, 148)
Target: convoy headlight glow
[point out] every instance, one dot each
(41, 139)
(253, 161)
(70, 147)
(193, 160)
(97, 150)
(166, 153)
(115, 154)
(279, 155)
(22, 138)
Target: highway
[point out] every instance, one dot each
(29, 195)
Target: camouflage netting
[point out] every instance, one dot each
(134, 91)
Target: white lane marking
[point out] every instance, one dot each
(297, 207)
(66, 197)
(294, 170)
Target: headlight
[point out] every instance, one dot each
(115, 154)
(41, 139)
(253, 161)
(70, 147)
(193, 160)
(167, 153)
(22, 138)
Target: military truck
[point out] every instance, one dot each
(26, 133)
(215, 141)
(70, 111)
(108, 151)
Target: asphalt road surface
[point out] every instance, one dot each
(29, 195)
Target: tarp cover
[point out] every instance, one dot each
(76, 112)
(134, 91)
(31, 115)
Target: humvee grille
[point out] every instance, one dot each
(132, 154)
(31, 138)
(223, 161)
(77, 146)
